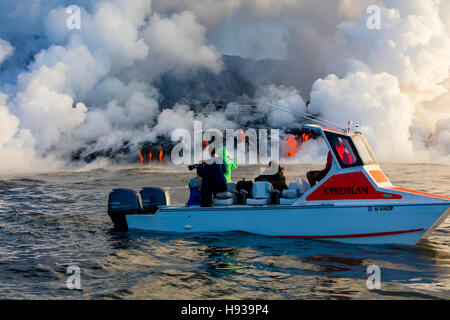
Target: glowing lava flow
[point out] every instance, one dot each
(243, 136)
(291, 146)
(305, 137)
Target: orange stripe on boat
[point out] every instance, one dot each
(334, 130)
(420, 192)
(378, 176)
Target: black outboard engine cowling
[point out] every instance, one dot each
(122, 202)
(154, 197)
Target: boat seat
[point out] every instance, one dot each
(223, 202)
(231, 186)
(304, 185)
(224, 195)
(224, 199)
(294, 191)
(289, 196)
(261, 192)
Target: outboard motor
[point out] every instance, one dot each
(153, 197)
(122, 202)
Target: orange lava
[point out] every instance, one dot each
(243, 135)
(291, 146)
(305, 137)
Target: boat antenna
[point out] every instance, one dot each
(349, 126)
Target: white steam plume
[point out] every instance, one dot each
(385, 76)
(6, 50)
(97, 87)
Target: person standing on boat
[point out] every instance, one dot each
(230, 163)
(213, 178)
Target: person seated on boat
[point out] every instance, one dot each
(275, 174)
(343, 153)
(212, 173)
(230, 163)
(315, 176)
(195, 197)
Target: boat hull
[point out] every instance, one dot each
(363, 224)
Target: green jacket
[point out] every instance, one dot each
(229, 162)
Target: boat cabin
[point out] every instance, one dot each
(354, 175)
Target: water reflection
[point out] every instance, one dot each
(221, 262)
(239, 265)
(52, 220)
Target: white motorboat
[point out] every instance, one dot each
(355, 202)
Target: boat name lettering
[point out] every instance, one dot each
(345, 190)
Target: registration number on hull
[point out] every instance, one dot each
(380, 208)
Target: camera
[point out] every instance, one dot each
(194, 166)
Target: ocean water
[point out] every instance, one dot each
(51, 221)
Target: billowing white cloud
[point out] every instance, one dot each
(6, 50)
(412, 45)
(376, 103)
(178, 43)
(287, 98)
(9, 124)
(97, 87)
(410, 53)
(112, 31)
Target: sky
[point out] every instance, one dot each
(63, 89)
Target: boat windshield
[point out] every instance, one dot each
(344, 150)
(364, 150)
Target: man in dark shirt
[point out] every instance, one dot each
(213, 178)
(316, 176)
